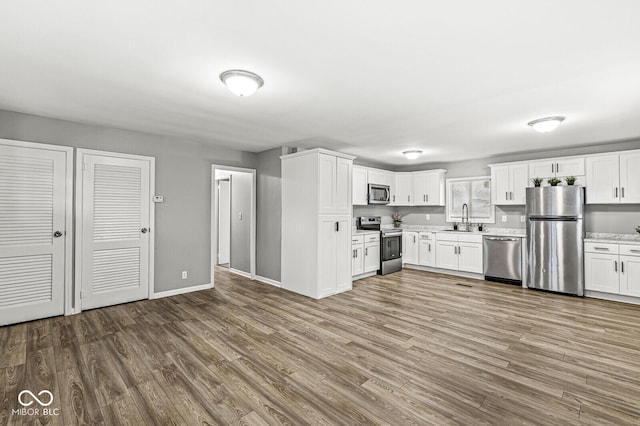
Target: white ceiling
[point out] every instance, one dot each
(457, 79)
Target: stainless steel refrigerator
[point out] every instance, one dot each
(555, 235)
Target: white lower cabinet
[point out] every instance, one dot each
(612, 268)
(459, 252)
(365, 253)
(427, 249)
(357, 255)
(410, 247)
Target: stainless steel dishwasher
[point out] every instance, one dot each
(503, 259)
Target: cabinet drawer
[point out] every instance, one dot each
(357, 239)
(426, 236)
(447, 236)
(470, 238)
(369, 238)
(605, 248)
(630, 249)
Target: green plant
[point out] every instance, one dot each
(638, 229)
(570, 180)
(536, 181)
(554, 181)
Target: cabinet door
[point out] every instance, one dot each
(343, 186)
(542, 169)
(372, 257)
(357, 259)
(420, 188)
(341, 253)
(326, 184)
(404, 189)
(501, 184)
(601, 273)
(380, 177)
(470, 257)
(427, 251)
(410, 248)
(359, 193)
(327, 259)
(435, 188)
(630, 275)
(569, 167)
(519, 179)
(446, 255)
(603, 179)
(630, 177)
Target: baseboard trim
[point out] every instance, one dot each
(268, 281)
(612, 297)
(365, 275)
(443, 271)
(183, 290)
(241, 273)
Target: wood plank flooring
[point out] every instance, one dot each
(408, 348)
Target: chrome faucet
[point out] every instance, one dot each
(465, 221)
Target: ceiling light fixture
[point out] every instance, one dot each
(547, 124)
(412, 154)
(241, 83)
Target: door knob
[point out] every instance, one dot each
(144, 230)
(57, 234)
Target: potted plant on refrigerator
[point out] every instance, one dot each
(554, 181)
(537, 182)
(570, 180)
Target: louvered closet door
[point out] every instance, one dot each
(115, 230)
(32, 233)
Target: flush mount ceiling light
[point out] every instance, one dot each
(242, 83)
(412, 154)
(547, 124)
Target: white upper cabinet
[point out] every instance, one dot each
(404, 189)
(613, 178)
(428, 188)
(557, 167)
(630, 177)
(603, 179)
(334, 184)
(380, 177)
(509, 184)
(360, 189)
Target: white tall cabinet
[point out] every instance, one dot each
(316, 222)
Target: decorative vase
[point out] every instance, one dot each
(570, 184)
(537, 185)
(480, 228)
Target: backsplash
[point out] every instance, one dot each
(598, 218)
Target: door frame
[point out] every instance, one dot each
(217, 183)
(214, 219)
(69, 307)
(80, 153)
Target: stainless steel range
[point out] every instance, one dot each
(390, 244)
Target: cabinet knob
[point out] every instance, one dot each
(57, 234)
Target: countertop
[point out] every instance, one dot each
(594, 237)
(500, 232)
(364, 232)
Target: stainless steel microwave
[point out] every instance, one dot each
(379, 194)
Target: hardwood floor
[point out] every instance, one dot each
(408, 348)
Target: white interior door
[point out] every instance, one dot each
(224, 221)
(33, 199)
(115, 228)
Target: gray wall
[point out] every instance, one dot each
(241, 183)
(269, 212)
(183, 176)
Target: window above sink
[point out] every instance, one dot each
(475, 192)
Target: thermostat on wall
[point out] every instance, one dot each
(158, 199)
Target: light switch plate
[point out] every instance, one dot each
(504, 217)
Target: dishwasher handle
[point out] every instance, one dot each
(501, 239)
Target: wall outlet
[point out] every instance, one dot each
(427, 216)
(240, 215)
(504, 217)
(521, 219)
(184, 275)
